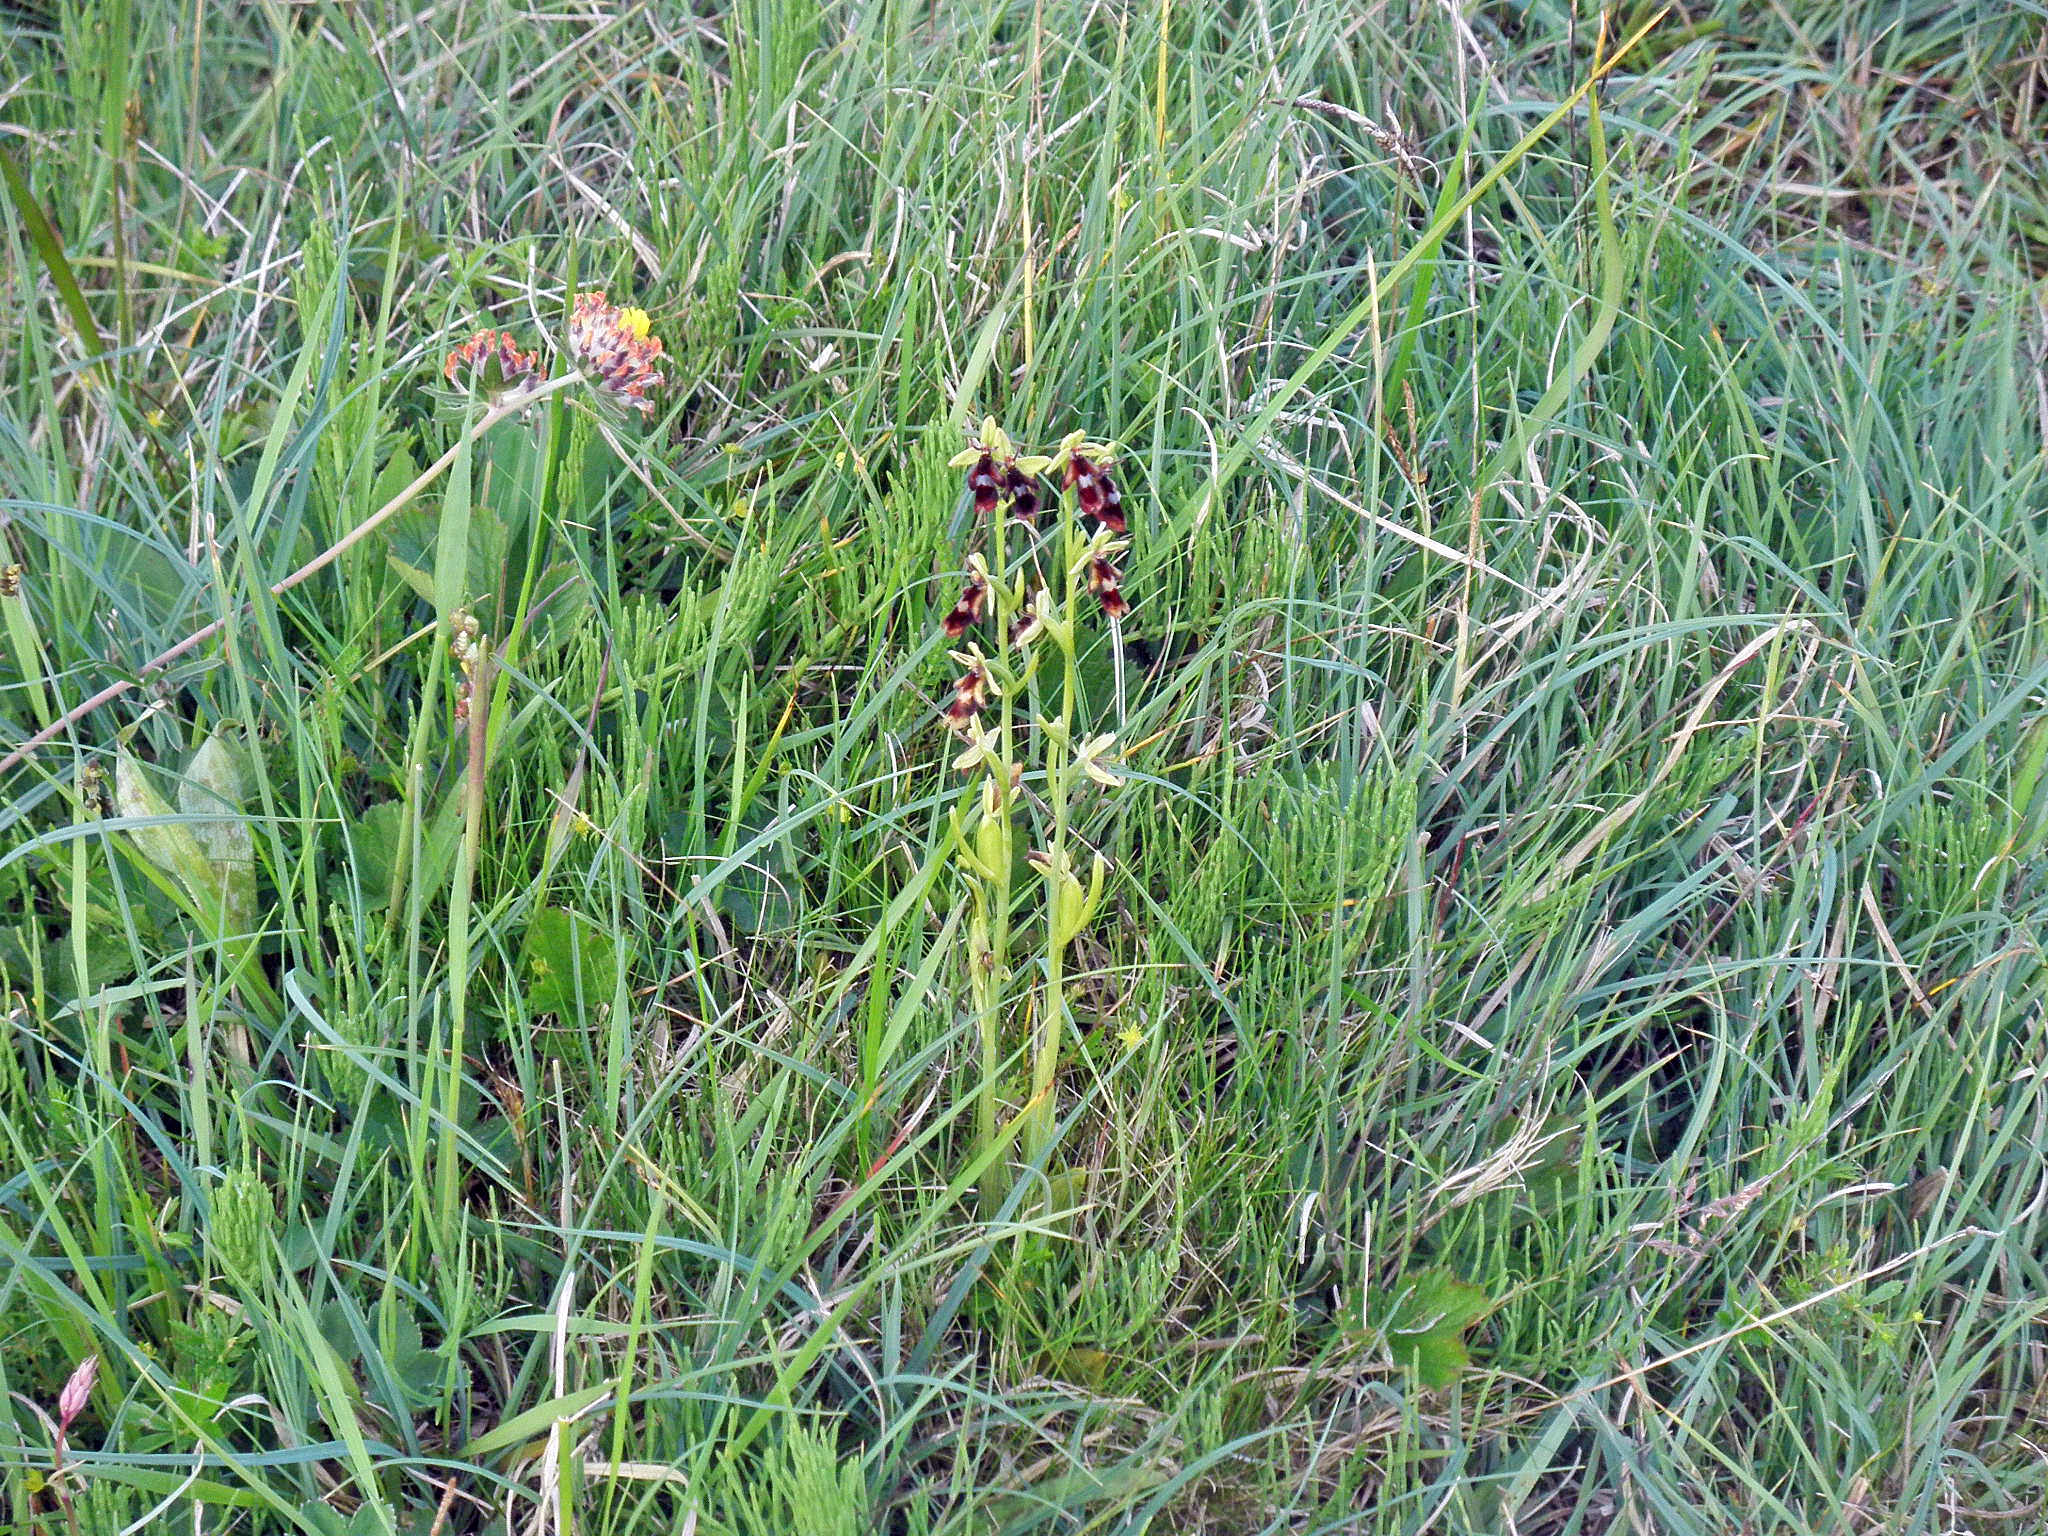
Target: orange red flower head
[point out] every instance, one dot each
(490, 363)
(613, 349)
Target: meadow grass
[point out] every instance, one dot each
(1559, 1049)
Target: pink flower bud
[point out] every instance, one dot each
(71, 1402)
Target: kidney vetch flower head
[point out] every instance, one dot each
(615, 349)
(490, 364)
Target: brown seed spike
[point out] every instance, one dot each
(967, 612)
(1106, 582)
(986, 488)
(1022, 490)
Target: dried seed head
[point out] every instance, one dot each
(94, 797)
(490, 364)
(615, 349)
(465, 648)
(10, 581)
(467, 636)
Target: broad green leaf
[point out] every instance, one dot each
(1423, 1317)
(568, 963)
(533, 1422)
(171, 849)
(374, 843)
(214, 787)
(421, 583)
(1426, 1329)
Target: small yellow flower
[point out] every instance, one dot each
(1130, 1037)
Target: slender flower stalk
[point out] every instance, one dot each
(71, 1403)
(1055, 869)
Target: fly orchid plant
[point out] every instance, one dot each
(1022, 694)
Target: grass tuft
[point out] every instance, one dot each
(497, 1035)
